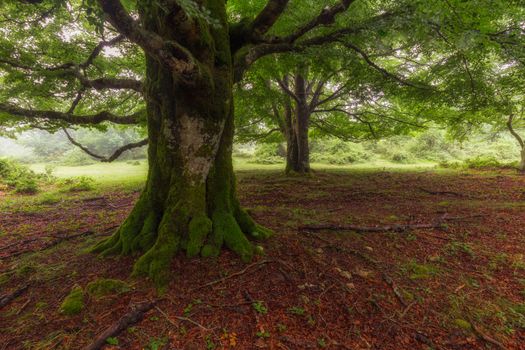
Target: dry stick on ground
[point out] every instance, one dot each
(450, 193)
(487, 338)
(180, 318)
(258, 264)
(13, 295)
(392, 285)
(129, 319)
(58, 239)
(388, 228)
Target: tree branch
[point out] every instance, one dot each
(171, 53)
(70, 118)
(383, 71)
(326, 17)
(115, 154)
(267, 18)
(513, 132)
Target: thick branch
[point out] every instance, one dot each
(267, 17)
(170, 53)
(109, 83)
(326, 17)
(70, 118)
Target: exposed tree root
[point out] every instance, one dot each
(129, 319)
(6, 299)
(160, 235)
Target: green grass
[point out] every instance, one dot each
(123, 173)
(103, 173)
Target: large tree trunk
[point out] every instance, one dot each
(189, 202)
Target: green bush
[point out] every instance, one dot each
(268, 153)
(18, 177)
(487, 162)
(335, 151)
(26, 186)
(78, 184)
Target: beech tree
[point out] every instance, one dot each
(341, 94)
(179, 59)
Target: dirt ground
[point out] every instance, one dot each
(457, 285)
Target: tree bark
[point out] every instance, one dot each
(522, 163)
(189, 202)
(298, 151)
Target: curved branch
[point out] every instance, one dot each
(111, 158)
(513, 132)
(383, 71)
(70, 118)
(267, 17)
(326, 17)
(170, 53)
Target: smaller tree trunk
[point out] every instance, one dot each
(298, 153)
(522, 163)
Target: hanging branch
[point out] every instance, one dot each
(111, 158)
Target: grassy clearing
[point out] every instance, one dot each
(125, 172)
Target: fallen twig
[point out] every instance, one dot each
(388, 228)
(438, 223)
(58, 239)
(131, 318)
(392, 285)
(258, 264)
(6, 299)
(180, 318)
(23, 306)
(449, 193)
(487, 338)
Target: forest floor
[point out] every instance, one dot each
(458, 285)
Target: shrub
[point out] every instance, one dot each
(268, 153)
(400, 157)
(78, 184)
(335, 151)
(49, 198)
(487, 162)
(26, 185)
(18, 177)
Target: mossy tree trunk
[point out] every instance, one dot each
(189, 201)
